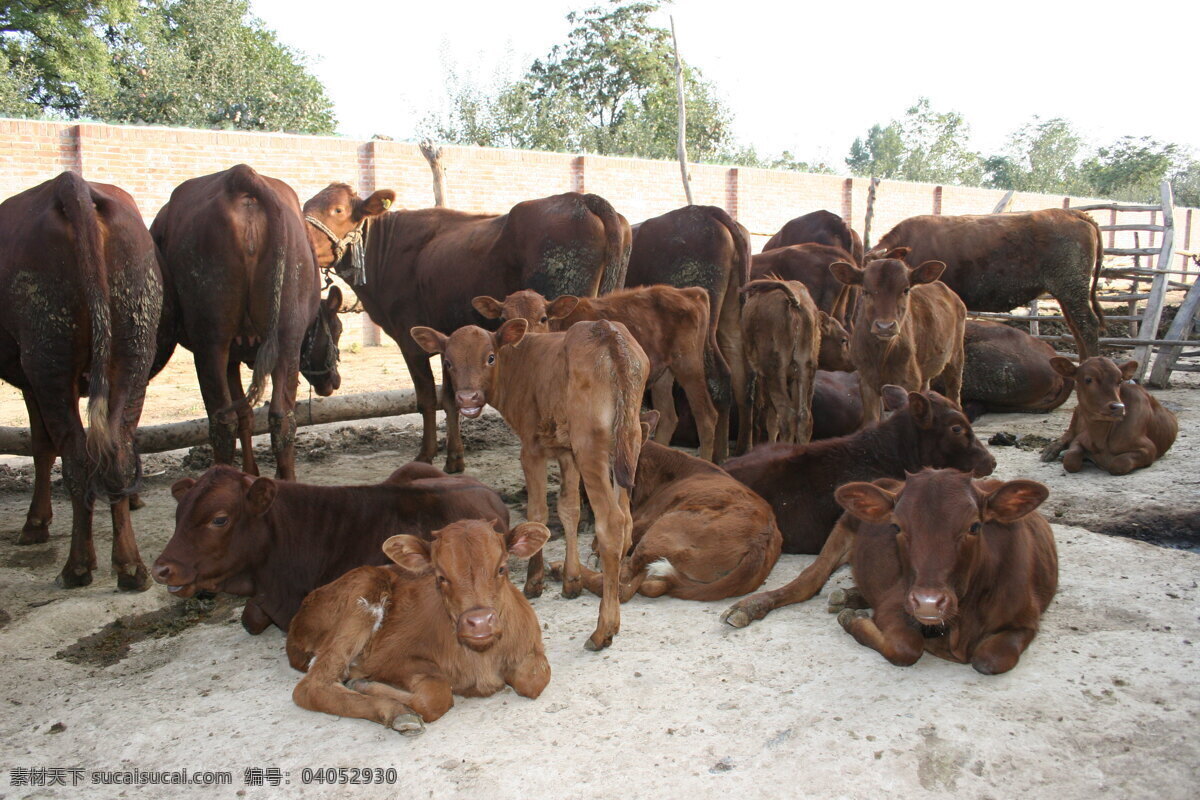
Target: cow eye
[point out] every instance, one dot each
(446, 363)
(503, 569)
(442, 580)
(1087, 380)
(220, 521)
(845, 340)
(491, 359)
(895, 528)
(976, 527)
(907, 290)
(957, 429)
(544, 320)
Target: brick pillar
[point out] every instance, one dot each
(578, 170)
(848, 200)
(732, 181)
(937, 200)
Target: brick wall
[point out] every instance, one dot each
(150, 162)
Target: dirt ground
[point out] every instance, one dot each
(1104, 703)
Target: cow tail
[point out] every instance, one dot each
(75, 197)
(243, 179)
(1098, 268)
(617, 243)
(629, 383)
(716, 367)
(765, 285)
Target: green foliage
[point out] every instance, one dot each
(1040, 157)
(1130, 168)
(16, 86)
(1186, 182)
(925, 145)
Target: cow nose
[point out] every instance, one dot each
(1117, 409)
(887, 328)
(928, 605)
(162, 571)
(478, 623)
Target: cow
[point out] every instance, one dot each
(836, 404)
(819, 227)
(908, 328)
(574, 396)
(958, 567)
(421, 268)
(670, 324)
(276, 541)
(82, 292)
(809, 264)
(394, 644)
(703, 246)
(997, 262)
(924, 430)
(1117, 424)
(246, 290)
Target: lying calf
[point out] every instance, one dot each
(394, 644)
(276, 541)
(1117, 425)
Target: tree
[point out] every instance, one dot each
(1186, 182)
(880, 154)
(1041, 157)
(925, 145)
(1131, 168)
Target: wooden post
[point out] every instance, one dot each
(1131, 306)
(434, 156)
(681, 146)
(1005, 202)
(870, 216)
(1158, 285)
(1160, 376)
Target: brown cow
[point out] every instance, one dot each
(82, 292)
(908, 328)
(959, 567)
(574, 396)
(809, 264)
(670, 324)
(836, 404)
(246, 290)
(1117, 425)
(703, 246)
(820, 227)
(423, 267)
(394, 644)
(275, 542)
(997, 262)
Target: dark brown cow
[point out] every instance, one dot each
(908, 328)
(703, 246)
(670, 324)
(423, 267)
(958, 567)
(820, 227)
(1117, 425)
(809, 264)
(394, 644)
(573, 396)
(997, 262)
(246, 290)
(276, 541)
(82, 292)
(836, 404)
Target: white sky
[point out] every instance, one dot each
(806, 77)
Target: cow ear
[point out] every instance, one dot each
(409, 554)
(921, 410)
(866, 501)
(824, 318)
(894, 397)
(928, 272)
(1013, 500)
(488, 307)
(527, 538)
(1063, 366)
(376, 204)
(649, 422)
(431, 341)
(847, 273)
(511, 332)
(333, 300)
(1128, 369)
(562, 306)
(260, 495)
(181, 487)
(897, 252)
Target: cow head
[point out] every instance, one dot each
(943, 438)
(319, 353)
(338, 210)
(218, 535)
(938, 517)
(469, 562)
(835, 346)
(469, 357)
(886, 283)
(529, 306)
(1097, 385)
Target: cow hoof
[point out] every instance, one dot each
(572, 588)
(736, 617)
(34, 534)
(454, 465)
(847, 616)
(851, 598)
(137, 581)
(837, 601)
(555, 568)
(1051, 451)
(136, 502)
(408, 725)
(358, 685)
(69, 579)
(533, 590)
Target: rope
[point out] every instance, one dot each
(355, 242)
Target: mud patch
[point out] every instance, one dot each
(1177, 529)
(111, 644)
(32, 557)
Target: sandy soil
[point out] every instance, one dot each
(1104, 703)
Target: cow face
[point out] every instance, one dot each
(529, 306)
(835, 346)
(944, 437)
(469, 358)
(319, 354)
(340, 210)
(217, 539)
(938, 517)
(1097, 385)
(469, 562)
(886, 284)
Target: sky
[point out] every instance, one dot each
(803, 77)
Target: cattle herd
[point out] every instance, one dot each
(849, 373)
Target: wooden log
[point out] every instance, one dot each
(870, 217)
(434, 156)
(176, 435)
(1005, 202)
(681, 144)
(1131, 251)
(1158, 284)
(1160, 376)
(1146, 227)
(1116, 207)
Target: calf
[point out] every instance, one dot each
(670, 324)
(394, 644)
(908, 327)
(926, 430)
(958, 567)
(276, 541)
(1117, 424)
(836, 404)
(574, 396)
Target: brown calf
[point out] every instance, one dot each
(574, 396)
(394, 644)
(1117, 425)
(670, 324)
(908, 328)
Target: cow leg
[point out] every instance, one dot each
(740, 381)
(419, 369)
(533, 465)
(126, 561)
(281, 419)
(1053, 450)
(888, 633)
(806, 383)
(1001, 651)
(530, 677)
(871, 400)
(254, 619)
(664, 404)
(454, 443)
(612, 533)
(834, 553)
(211, 371)
(245, 416)
(568, 515)
(37, 521)
(1081, 319)
(82, 558)
(429, 695)
(1072, 460)
(690, 374)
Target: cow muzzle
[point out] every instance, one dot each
(470, 404)
(479, 628)
(1115, 410)
(930, 606)
(885, 330)
(170, 575)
